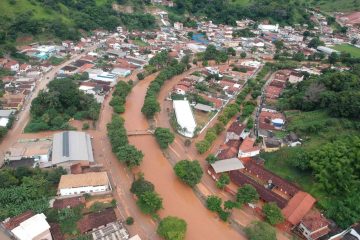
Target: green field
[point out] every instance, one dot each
(354, 51)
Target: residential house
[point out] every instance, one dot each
(12, 66)
(113, 230)
(234, 131)
(95, 220)
(352, 233)
(24, 67)
(78, 184)
(314, 225)
(247, 148)
(295, 77)
(28, 226)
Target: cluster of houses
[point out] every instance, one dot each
(85, 177)
(205, 92)
(238, 157)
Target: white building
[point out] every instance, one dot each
(268, 28)
(184, 118)
(247, 148)
(34, 228)
(326, 50)
(178, 26)
(92, 182)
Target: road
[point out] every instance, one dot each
(24, 116)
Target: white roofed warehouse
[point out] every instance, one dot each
(71, 147)
(184, 118)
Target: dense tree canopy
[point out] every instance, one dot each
(140, 186)
(149, 202)
(272, 213)
(260, 231)
(336, 92)
(52, 109)
(247, 194)
(164, 137)
(130, 155)
(172, 228)
(189, 172)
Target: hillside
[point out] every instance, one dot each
(63, 19)
(335, 5)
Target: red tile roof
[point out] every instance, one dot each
(298, 207)
(320, 233)
(272, 92)
(265, 175)
(248, 145)
(15, 221)
(68, 202)
(230, 150)
(267, 195)
(56, 232)
(95, 220)
(236, 128)
(314, 220)
(266, 124)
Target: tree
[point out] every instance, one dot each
(279, 44)
(315, 42)
(272, 213)
(223, 181)
(140, 186)
(231, 51)
(247, 194)
(211, 158)
(164, 137)
(202, 146)
(172, 228)
(140, 76)
(243, 54)
(333, 58)
(189, 172)
(299, 56)
(213, 203)
(7, 179)
(129, 155)
(149, 202)
(260, 231)
(129, 221)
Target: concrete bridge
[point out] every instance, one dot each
(140, 132)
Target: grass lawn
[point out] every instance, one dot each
(354, 51)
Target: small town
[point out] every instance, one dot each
(130, 120)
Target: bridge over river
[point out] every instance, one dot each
(140, 132)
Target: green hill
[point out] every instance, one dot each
(335, 5)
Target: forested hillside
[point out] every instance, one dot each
(64, 18)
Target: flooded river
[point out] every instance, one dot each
(178, 199)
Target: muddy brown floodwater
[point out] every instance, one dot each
(178, 199)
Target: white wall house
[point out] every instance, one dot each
(34, 228)
(92, 182)
(247, 148)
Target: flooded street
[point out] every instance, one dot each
(178, 199)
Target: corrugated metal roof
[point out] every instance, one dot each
(71, 146)
(227, 165)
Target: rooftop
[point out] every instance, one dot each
(227, 165)
(85, 179)
(68, 202)
(32, 227)
(185, 117)
(95, 220)
(71, 146)
(298, 207)
(248, 145)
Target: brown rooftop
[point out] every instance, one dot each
(236, 128)
(85, 179)
(95, 220)
(265, 175)
(68, 202)
(15, 221)
(298, 207)
(267, 195)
